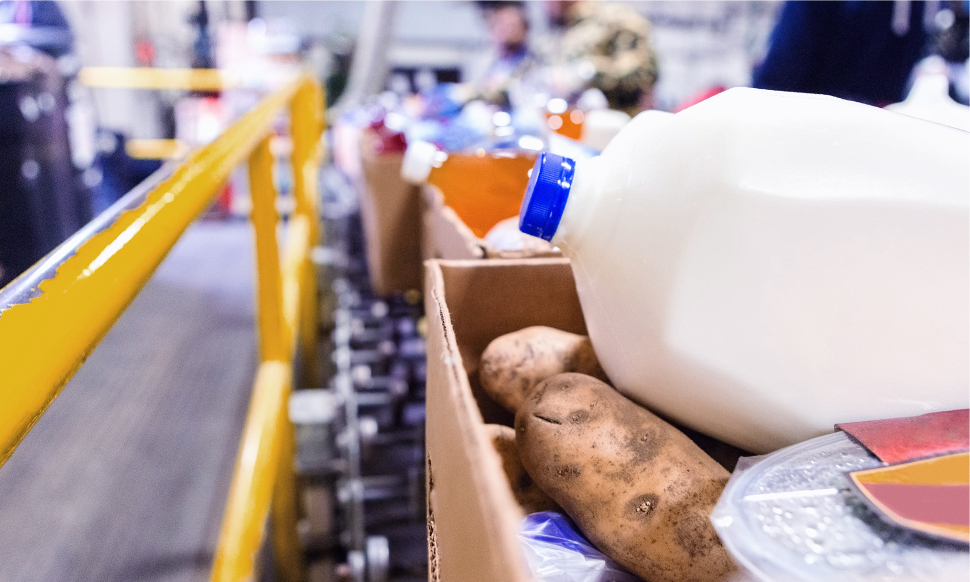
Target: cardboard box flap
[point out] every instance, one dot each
(474, 516)
(475, 519)
(506, 296)
(448, 237)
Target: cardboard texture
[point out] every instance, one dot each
(446, 236)
(473, 518)
(390, 210)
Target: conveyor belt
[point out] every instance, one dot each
(125, 477)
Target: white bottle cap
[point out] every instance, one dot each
(600, 125)
(419, 158)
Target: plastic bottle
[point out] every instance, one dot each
(764, 265)
(568, 123)
(388, 141)
(563, 119)
(929, 98)
(483, 186)
(601, 125)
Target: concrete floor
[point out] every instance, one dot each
(124, 478)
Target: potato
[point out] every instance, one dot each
(526, 492)
(515, 362)
(637, 487)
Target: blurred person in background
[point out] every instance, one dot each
(509, 58)
(952, 43)
(604, 46)
(502, 68)
(862, 51)
(40, 25)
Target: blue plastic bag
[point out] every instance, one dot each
(556, 552)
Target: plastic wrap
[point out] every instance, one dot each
(792, 516)
(556, 552)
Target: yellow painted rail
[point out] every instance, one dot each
(153, 78)
(45, 340)
(156, 149)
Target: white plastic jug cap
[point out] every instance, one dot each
(419, 158)
(600, 125)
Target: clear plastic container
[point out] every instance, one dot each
(763, 265)
(792, 516)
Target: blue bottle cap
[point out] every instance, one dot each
(546, 195)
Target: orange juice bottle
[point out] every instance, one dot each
(569, 123)
(482, 186)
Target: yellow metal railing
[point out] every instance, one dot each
(156, 149)
(152, 78)
(43, 342)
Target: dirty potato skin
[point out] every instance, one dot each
(526, 492)
(638, 488)
(515, 362)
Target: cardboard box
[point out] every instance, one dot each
(390, 210)
(448, 236)
(473, 519)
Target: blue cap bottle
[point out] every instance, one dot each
(546, 195)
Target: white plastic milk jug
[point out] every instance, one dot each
(764, 265)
